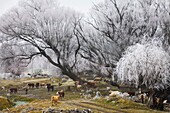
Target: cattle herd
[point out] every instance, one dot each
(49, 87)
(159, 97)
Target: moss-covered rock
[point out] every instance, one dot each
(5, 103)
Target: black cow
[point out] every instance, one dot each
(37, 85)
(50, 87)
(26, 90)
(31, 85)
(61, 93)
(114, 84)
(13, 90)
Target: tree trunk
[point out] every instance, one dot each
(65, 68)
(160, 104)
(151, 101)
(72, 75)
(163, 96)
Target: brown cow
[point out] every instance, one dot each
(91, 84)
(54, 99)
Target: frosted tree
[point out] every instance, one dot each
(118, 24)
(49, 28)
(10, 60)
(95, 50)
(145, 64)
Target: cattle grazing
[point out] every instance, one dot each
(77, 85)
(91, 84)
(13, 90)
(143, 97)
(54, 99)
(114, 93)
(3, 88)
(50, 87)
(26, 91)
(31, 85)
(131, 93)
(124, 95)
(61, 93)
(37, 85)
(42, 85)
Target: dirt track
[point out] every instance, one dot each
(95, 107)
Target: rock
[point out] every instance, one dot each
(86, 111)
(113, 102)
(98, 95)
(28, 110)
(52, 110)
(24, 111)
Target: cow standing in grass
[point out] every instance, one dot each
(55, 99)
(37, 85)
(61, 93)
(31, 85)
(50, 87)
(13, 90)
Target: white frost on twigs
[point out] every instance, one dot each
(149, 62)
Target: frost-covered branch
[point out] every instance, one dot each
(145, 64)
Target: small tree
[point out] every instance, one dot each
(145, 64)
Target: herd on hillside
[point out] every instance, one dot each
(88, 89)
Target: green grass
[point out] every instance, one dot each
(21, 98)
(5, 103)
(126, 105)
(40, 98)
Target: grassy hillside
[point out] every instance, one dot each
(39, 100)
